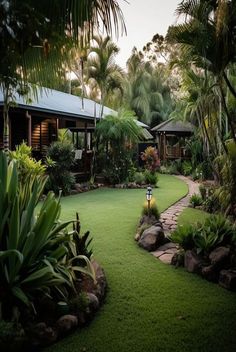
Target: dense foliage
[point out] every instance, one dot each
(216, 230)
(61, 154)
(37, 254)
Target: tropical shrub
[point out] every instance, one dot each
(215, 231)
(151, 177)
(34, 255)
(153, 210)
(187, 168)
(226, 192)
(139, 178)
(62, 155)
(27, 166)
(184, 236)
(195, 200)
(81, 243)
(203, 191)
(151, 159)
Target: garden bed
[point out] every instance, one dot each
(56, 320)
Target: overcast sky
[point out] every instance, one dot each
(143, 19)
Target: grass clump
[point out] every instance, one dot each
(152, 210)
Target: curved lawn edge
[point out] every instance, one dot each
(178, 193)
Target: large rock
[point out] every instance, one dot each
(219, 256)
(228, 279)
(152, 238)
(192, 262)
(151, 220)
(93, 301)
(98, 288)
(41, 334)
(210, 273)
(67, 323)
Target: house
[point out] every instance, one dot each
(171, 136)
(37, 122)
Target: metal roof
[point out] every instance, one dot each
(62, 104)
(172, 125)
(59, 103)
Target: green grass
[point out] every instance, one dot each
(149, 306)
(191, 216)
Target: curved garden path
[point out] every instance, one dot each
(149, 306)
(169, 219)
(169, 216)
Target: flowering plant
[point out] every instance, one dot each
(151, 159)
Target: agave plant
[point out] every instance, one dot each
(33, 248)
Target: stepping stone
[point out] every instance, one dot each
(170, 222)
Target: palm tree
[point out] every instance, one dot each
(146, 92)
(208, 38)
(102, 68)
(30, 22)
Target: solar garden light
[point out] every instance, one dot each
(149, 197)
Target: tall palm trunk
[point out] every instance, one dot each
(231, 125)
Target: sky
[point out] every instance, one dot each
(143, 19)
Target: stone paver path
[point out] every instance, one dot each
(169, 220)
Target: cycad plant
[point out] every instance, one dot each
(33, 248)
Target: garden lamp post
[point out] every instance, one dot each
(149, 197)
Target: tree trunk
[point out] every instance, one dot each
(229, 85)
(227, 113)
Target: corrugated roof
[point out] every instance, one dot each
(62, 104)
(172, 125)
(59, 103)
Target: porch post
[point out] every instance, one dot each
(29, 118)
(86, 146)
(164, 144)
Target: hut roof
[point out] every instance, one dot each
(172, 125)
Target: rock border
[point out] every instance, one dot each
(43, 334)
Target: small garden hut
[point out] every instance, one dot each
(171, 137)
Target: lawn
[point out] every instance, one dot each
(149, 306)
(191, 216)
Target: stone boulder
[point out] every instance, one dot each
(210, 273)
(228, 279)
(192, 262)
(66, 323)
(151, 220)
(152, 238)
(93, 301)
(219, 256)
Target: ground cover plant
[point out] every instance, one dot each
(149, 306)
